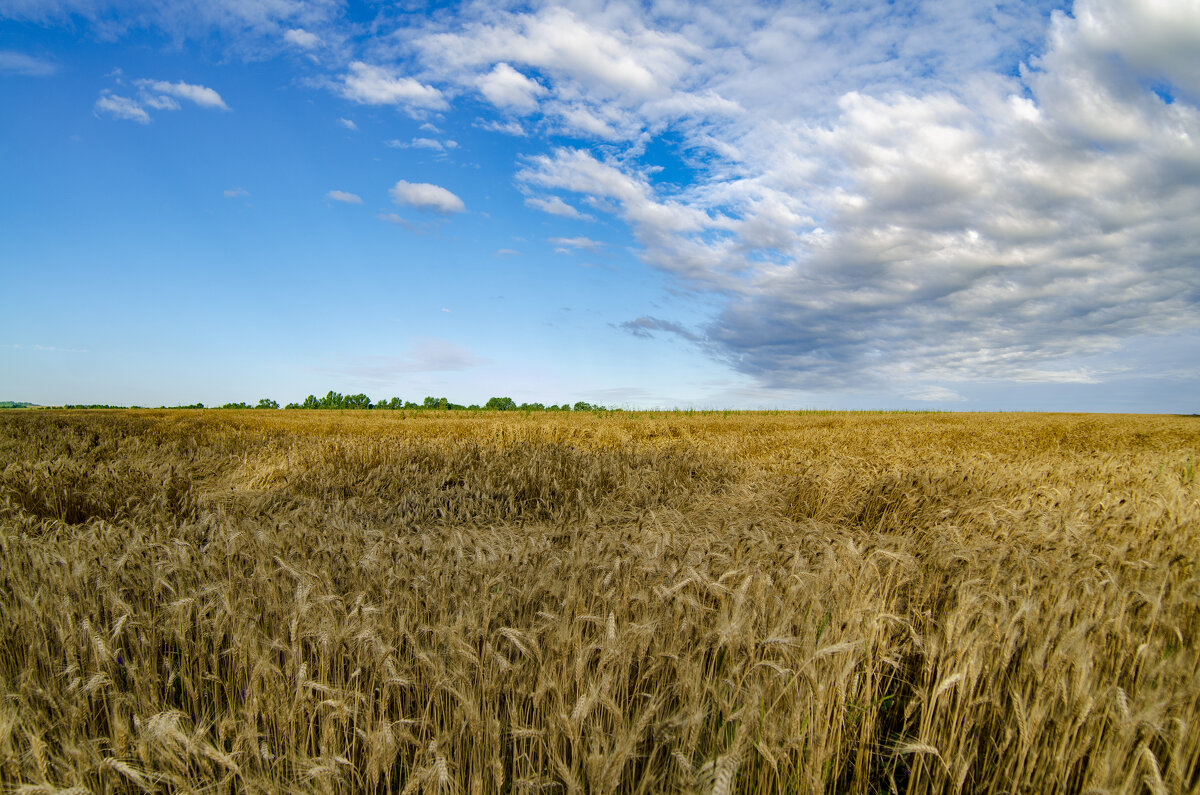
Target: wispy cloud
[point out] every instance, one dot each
(646, 326)
(344, 197)
(348, 124)
(155, 95)
(120, 107)
(203, 96)
(235, 193)
(510, 127)
(556, 206)
(19, 63)
(247, 30)
(46, 348)
(398, 220)
(422, 143)
(424, 355)
(576, 242)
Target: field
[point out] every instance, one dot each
(267, 601)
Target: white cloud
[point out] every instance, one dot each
(935, 394)
(122, 108)
(508, 89)
(422, 143)
(155, 95)
(424, 355)
(234, 193)
(606, 58)
(424, 196)
(398, 220)
(376, 85)
(1155, 39)
(302, 38)
(19, 63)
(201, 95)
(348, 124)
(510, 127)
(250, 30)
(576, 242)
(964, 226)
(556, 206)
(598, 72)
(343, 196)
(159, 102)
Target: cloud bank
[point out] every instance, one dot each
(934, 218)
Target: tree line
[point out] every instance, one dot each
(336, 400)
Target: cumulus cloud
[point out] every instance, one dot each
(424, 196)
(302, 38)
(615, 60)
(596, 72)
(377, 85)
(971, 226)
(19, 63)
(508, 89)
(343, 196)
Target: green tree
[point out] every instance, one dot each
(359, 401)
(311, 402)
(267, 403)
(500, 404)
(436, 403)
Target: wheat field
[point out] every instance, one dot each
(443, 602)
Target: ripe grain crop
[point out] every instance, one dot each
(626, 602)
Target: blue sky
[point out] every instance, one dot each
(954, 205)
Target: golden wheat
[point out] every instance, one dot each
(624, 602)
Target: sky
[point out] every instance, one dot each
(955, 204)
